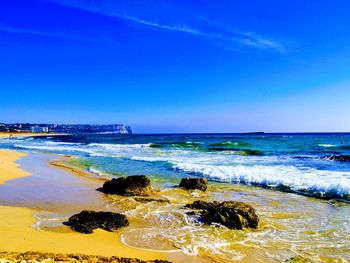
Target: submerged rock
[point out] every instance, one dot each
(202, 205)
(129, 186)
(86, 221)
(232, 214)
(150, 199)
(339, 158)
(299, 259)
(194, 183)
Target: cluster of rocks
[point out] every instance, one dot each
(231, 214)
(140, 185)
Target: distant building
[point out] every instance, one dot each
(39, 129)
(3, 127)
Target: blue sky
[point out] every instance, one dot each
(177, 66)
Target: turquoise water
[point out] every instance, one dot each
(288, 162)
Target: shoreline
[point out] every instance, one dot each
(18, 234)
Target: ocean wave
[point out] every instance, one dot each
(335, 146)
(186, 145)
(93, 149)
(54, 148)
(297, 179)
(108, 146)
(229, 144)
(327, 145)
(236, 151)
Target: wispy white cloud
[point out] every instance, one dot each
(249, 39)
(246, 39)
(161, 26)
(30, 31)
(255, 40)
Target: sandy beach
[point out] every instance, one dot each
(18, 235)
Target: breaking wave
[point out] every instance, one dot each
(307, 180)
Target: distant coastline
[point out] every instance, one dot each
(66, 128)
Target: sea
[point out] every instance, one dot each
(285, 162)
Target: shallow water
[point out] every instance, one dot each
(50, 189)
(289, 224)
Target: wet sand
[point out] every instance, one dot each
(50, 189)
(35, 194)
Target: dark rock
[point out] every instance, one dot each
(193, 213)
(194, 183)
(129, 186)
(232, 214)
(339, 158)
(299, 259)
(150, 199)
(202, 205)
(86, 221)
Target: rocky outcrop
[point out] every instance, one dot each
(339, 158)
(129, 186)
(194, 183)
(232, 214)
(86, 221)
(15, 257)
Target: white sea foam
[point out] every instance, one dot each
(95, 171)
(94, 149)
(54, 148)
(119, 146)
(327, 145)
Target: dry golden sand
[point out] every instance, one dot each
(24, 134)
(9, 169)
(18, 235)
